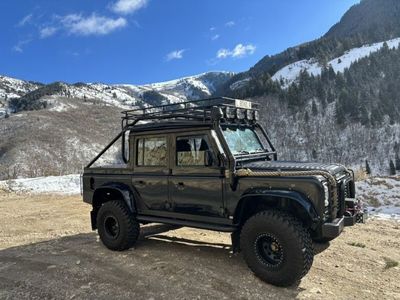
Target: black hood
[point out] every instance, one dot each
(293, 166)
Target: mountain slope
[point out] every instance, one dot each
(335, 99)
(58, 128)
(370, 21)
(378, 19)
(291, 73)
(121, 95)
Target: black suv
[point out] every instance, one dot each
(209, 164)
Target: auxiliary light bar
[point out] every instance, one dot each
(232, 113)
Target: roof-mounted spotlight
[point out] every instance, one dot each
(240, 113)
(230, 113)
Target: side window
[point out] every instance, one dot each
(193, 151)
(151, 152)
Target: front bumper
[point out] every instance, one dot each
(334, 228)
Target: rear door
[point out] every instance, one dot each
(196, 182)
(150, 179)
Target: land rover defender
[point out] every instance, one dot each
(210, 164)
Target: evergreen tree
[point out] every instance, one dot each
(314, 154)
(397, 160)
(306, 117)
(367, 168)
(392, 169)
(314, 109)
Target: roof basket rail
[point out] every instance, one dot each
(198, 110)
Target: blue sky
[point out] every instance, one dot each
(143, 41)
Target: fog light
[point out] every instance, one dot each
(326, 193)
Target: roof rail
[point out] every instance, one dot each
(198, 110)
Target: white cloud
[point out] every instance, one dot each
(19, 46)
(239, 51)
(25, 20)
(176, 54)
(215, 37)
(128, 6)
(230, 24)
(223, 53)
(212, 28)
(46, 32)
(92, 25)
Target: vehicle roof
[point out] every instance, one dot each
(164, 126)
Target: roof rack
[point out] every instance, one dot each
(197, 110)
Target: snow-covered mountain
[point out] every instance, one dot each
(22, 95)
(57, 128)
(13, 88)
(291, 72)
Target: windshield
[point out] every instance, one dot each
(242, 140)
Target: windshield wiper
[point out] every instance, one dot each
(243, 152)
(259, 150)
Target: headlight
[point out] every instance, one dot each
(326, 192)
(256, 115)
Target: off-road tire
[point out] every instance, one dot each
(291, 239)
(323, 240)
(124, 235)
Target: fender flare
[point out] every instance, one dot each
(123, 190)
(295, 196)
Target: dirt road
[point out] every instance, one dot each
(47, 251)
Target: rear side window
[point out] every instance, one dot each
(192, 151)
(151, 152)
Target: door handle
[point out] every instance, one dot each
(180, 186)
(140, 183)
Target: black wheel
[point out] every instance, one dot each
(276, 247)
(117, 226)
(323, 240)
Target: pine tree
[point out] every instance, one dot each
(397, 161)
(367, 168)
(306, 117)
(392, 169)
(314, 109)
(314, 154)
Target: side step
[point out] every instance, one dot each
(215, 227)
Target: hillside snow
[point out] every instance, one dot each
(67, 184)
(14, 88)
(291, 72)
(382, 195)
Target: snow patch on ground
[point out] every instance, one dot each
(67, 184)
(290, 73)
(381, 195)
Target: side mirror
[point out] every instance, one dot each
(221, 160)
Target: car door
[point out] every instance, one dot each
(196, 181)
(151, 170)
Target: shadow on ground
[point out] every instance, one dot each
(160, 267)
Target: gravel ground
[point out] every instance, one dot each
(47, 251)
